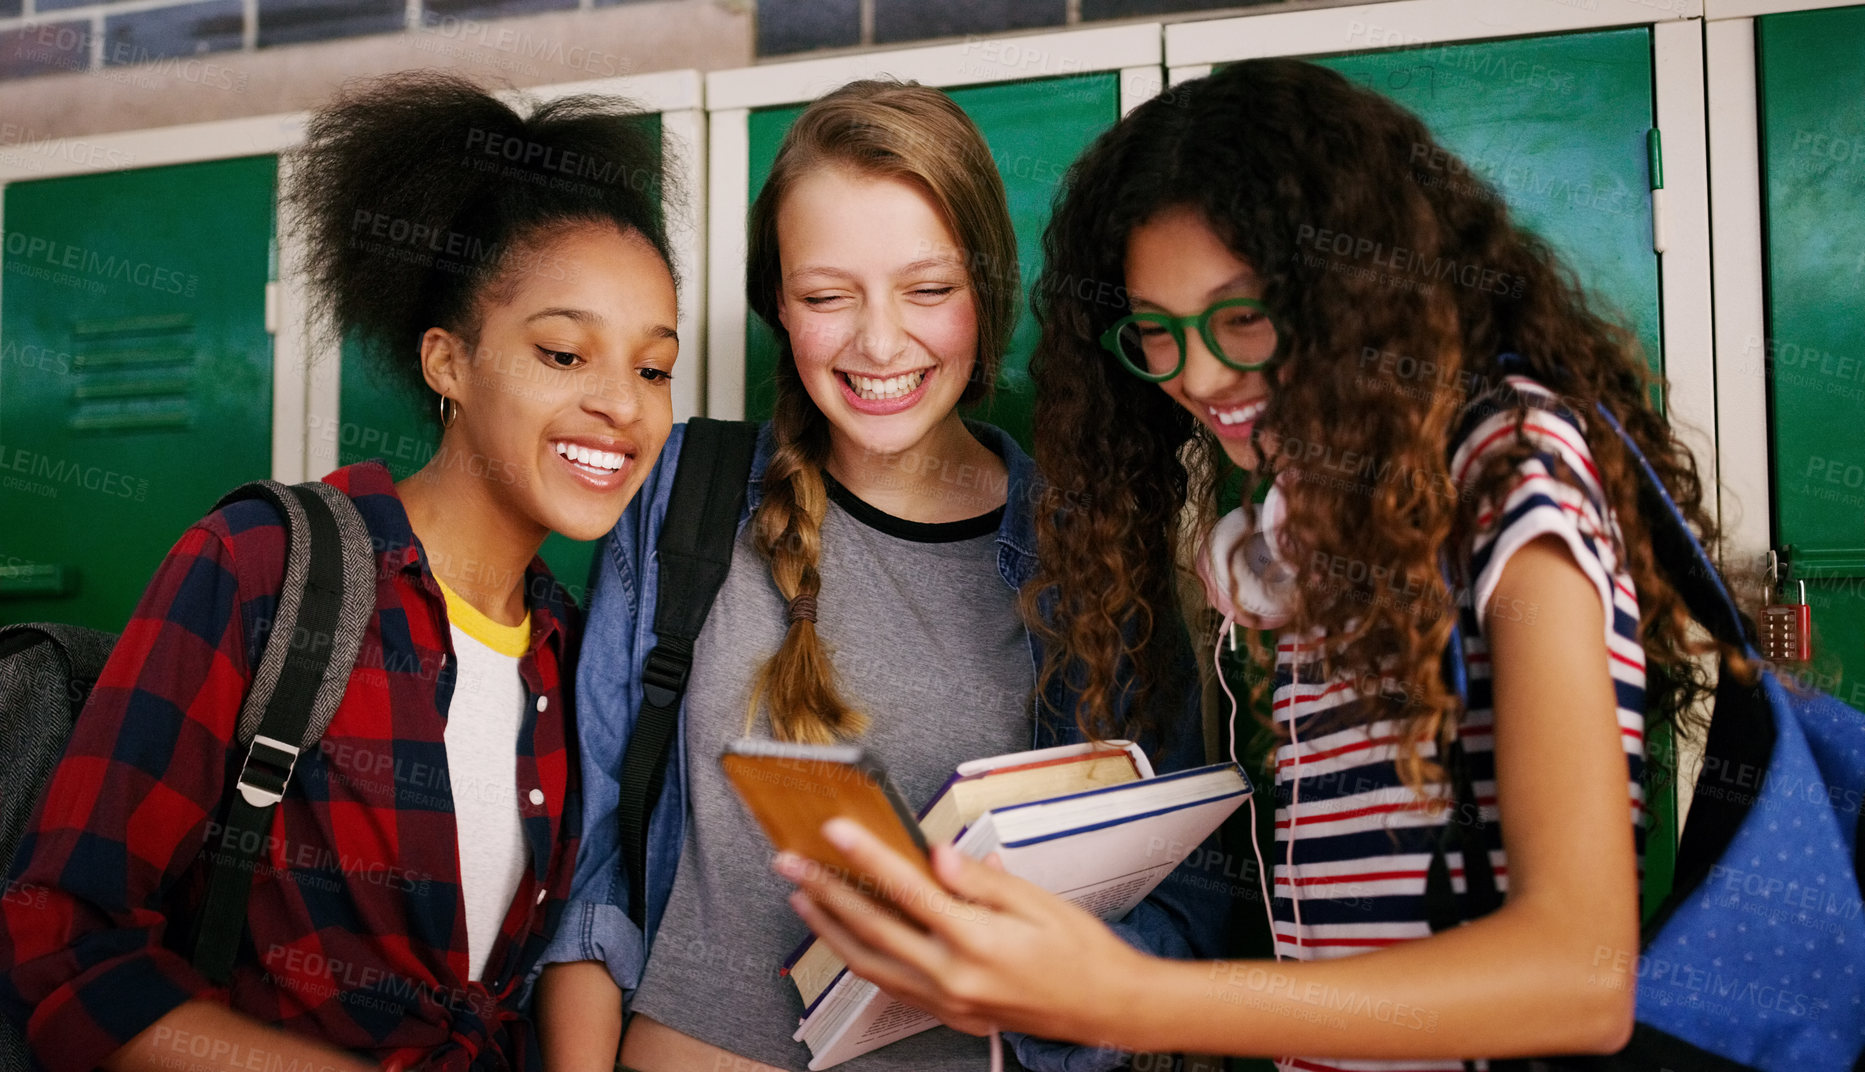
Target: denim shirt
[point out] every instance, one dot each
(1181, 919)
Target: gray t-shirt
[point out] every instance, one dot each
(926, 642)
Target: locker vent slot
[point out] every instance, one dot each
(133, 374)
(173, 383)
(162, 324)
(109, 359)
(137, 415)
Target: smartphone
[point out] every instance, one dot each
(792, 789)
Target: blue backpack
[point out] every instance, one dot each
(1756, 959)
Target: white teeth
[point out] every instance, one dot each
(1240, 414)
(601, 461)
(874, 390)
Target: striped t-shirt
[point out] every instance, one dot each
(1362, 842)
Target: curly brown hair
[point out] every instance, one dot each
(1395, 295)
(401, 236)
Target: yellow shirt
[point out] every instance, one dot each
(512, 640)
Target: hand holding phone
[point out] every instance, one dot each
(792, 789)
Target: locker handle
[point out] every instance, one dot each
(37, 580)
(1654, 161)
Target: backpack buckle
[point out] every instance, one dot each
(663, 678)
(269, 763)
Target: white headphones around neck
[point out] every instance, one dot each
(1242, 569)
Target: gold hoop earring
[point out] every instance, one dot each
(449, 411)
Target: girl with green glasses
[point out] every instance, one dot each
(1422, 396)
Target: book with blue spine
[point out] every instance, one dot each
(1104, 847)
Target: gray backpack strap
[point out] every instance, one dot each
(350, 573)
(323, 609)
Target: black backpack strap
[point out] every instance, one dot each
(299, 678)
(695, 553)
(1466, 831)
(1467, 834)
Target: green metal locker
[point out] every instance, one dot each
(1559, 127)
(135, 375)
(1811, 68)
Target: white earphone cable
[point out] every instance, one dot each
(1256, 846)
(1295, 799)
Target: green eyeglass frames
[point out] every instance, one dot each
(1238, 331)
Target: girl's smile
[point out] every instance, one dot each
(602, 462)
(882, 396)
(1235, 421)
(1181, 266)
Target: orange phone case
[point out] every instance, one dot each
(792, 789)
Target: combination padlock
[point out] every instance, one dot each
(1787, 630)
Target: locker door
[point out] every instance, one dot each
(135, 375)
(1558, 125)
(1811, 75)
(378, 418)
(1035, 129)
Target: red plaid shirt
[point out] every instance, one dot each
(357, 927)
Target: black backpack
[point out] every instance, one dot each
(695, 554)
(47, 672)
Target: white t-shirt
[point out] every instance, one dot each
(483, 723)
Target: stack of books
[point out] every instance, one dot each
(1089, 822)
